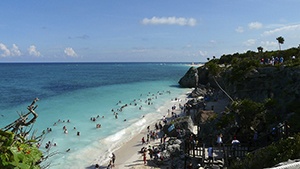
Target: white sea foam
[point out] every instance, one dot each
(95, 145)
(100, 150)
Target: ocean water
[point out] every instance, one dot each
(77, 92)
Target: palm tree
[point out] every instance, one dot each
(280, 40)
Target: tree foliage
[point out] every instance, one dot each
(21, 153)
(245, 116)
(240, 68)
(250, 114)
(280, 40)
(271, 155)
(213, 67)
(16, 151)
(286, 54)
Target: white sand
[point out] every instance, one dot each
(128, 155)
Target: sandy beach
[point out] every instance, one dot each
(128, 156)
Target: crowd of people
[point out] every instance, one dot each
(153, 142)
(272, 61)
(115, 112)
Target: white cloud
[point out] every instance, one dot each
(249, 42)
(255, 25)
(70, 52)
(267, 45)
(239, 29)
(33, 52)
(15, 50)
(5, 50)
(169, 21)
(282, 29)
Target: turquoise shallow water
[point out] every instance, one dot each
(80, 91)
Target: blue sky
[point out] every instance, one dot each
(143, 31)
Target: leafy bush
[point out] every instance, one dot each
(271, 155)
(18, 153)
(250, 114)
(286, 54)
(240, 68)
(213, 68)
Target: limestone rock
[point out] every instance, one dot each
(189, 79)
(280, 83)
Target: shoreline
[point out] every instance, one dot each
(128, 156)
(195, 65)
(88, 98)
(98, 151)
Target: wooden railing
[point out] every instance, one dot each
(225, 153)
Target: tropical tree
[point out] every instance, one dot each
(280, 40)
(250, 114)
(260, 49)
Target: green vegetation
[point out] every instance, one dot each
(241, 64)
(271, 155)
(213, 68)
(245, 116)
(280, 40)
(240, 68)
(248, 115)
(287, 54)
(18, 153)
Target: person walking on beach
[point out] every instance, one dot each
(109, 165)
(113, 158)
(144, 157)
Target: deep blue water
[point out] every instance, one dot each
(79, 91)
(21, 82)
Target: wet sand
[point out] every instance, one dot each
(128, 156)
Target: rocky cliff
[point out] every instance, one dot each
(278, 82)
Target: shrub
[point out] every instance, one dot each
(20, 153)
(271, 155)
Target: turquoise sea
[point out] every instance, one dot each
(80, 91)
